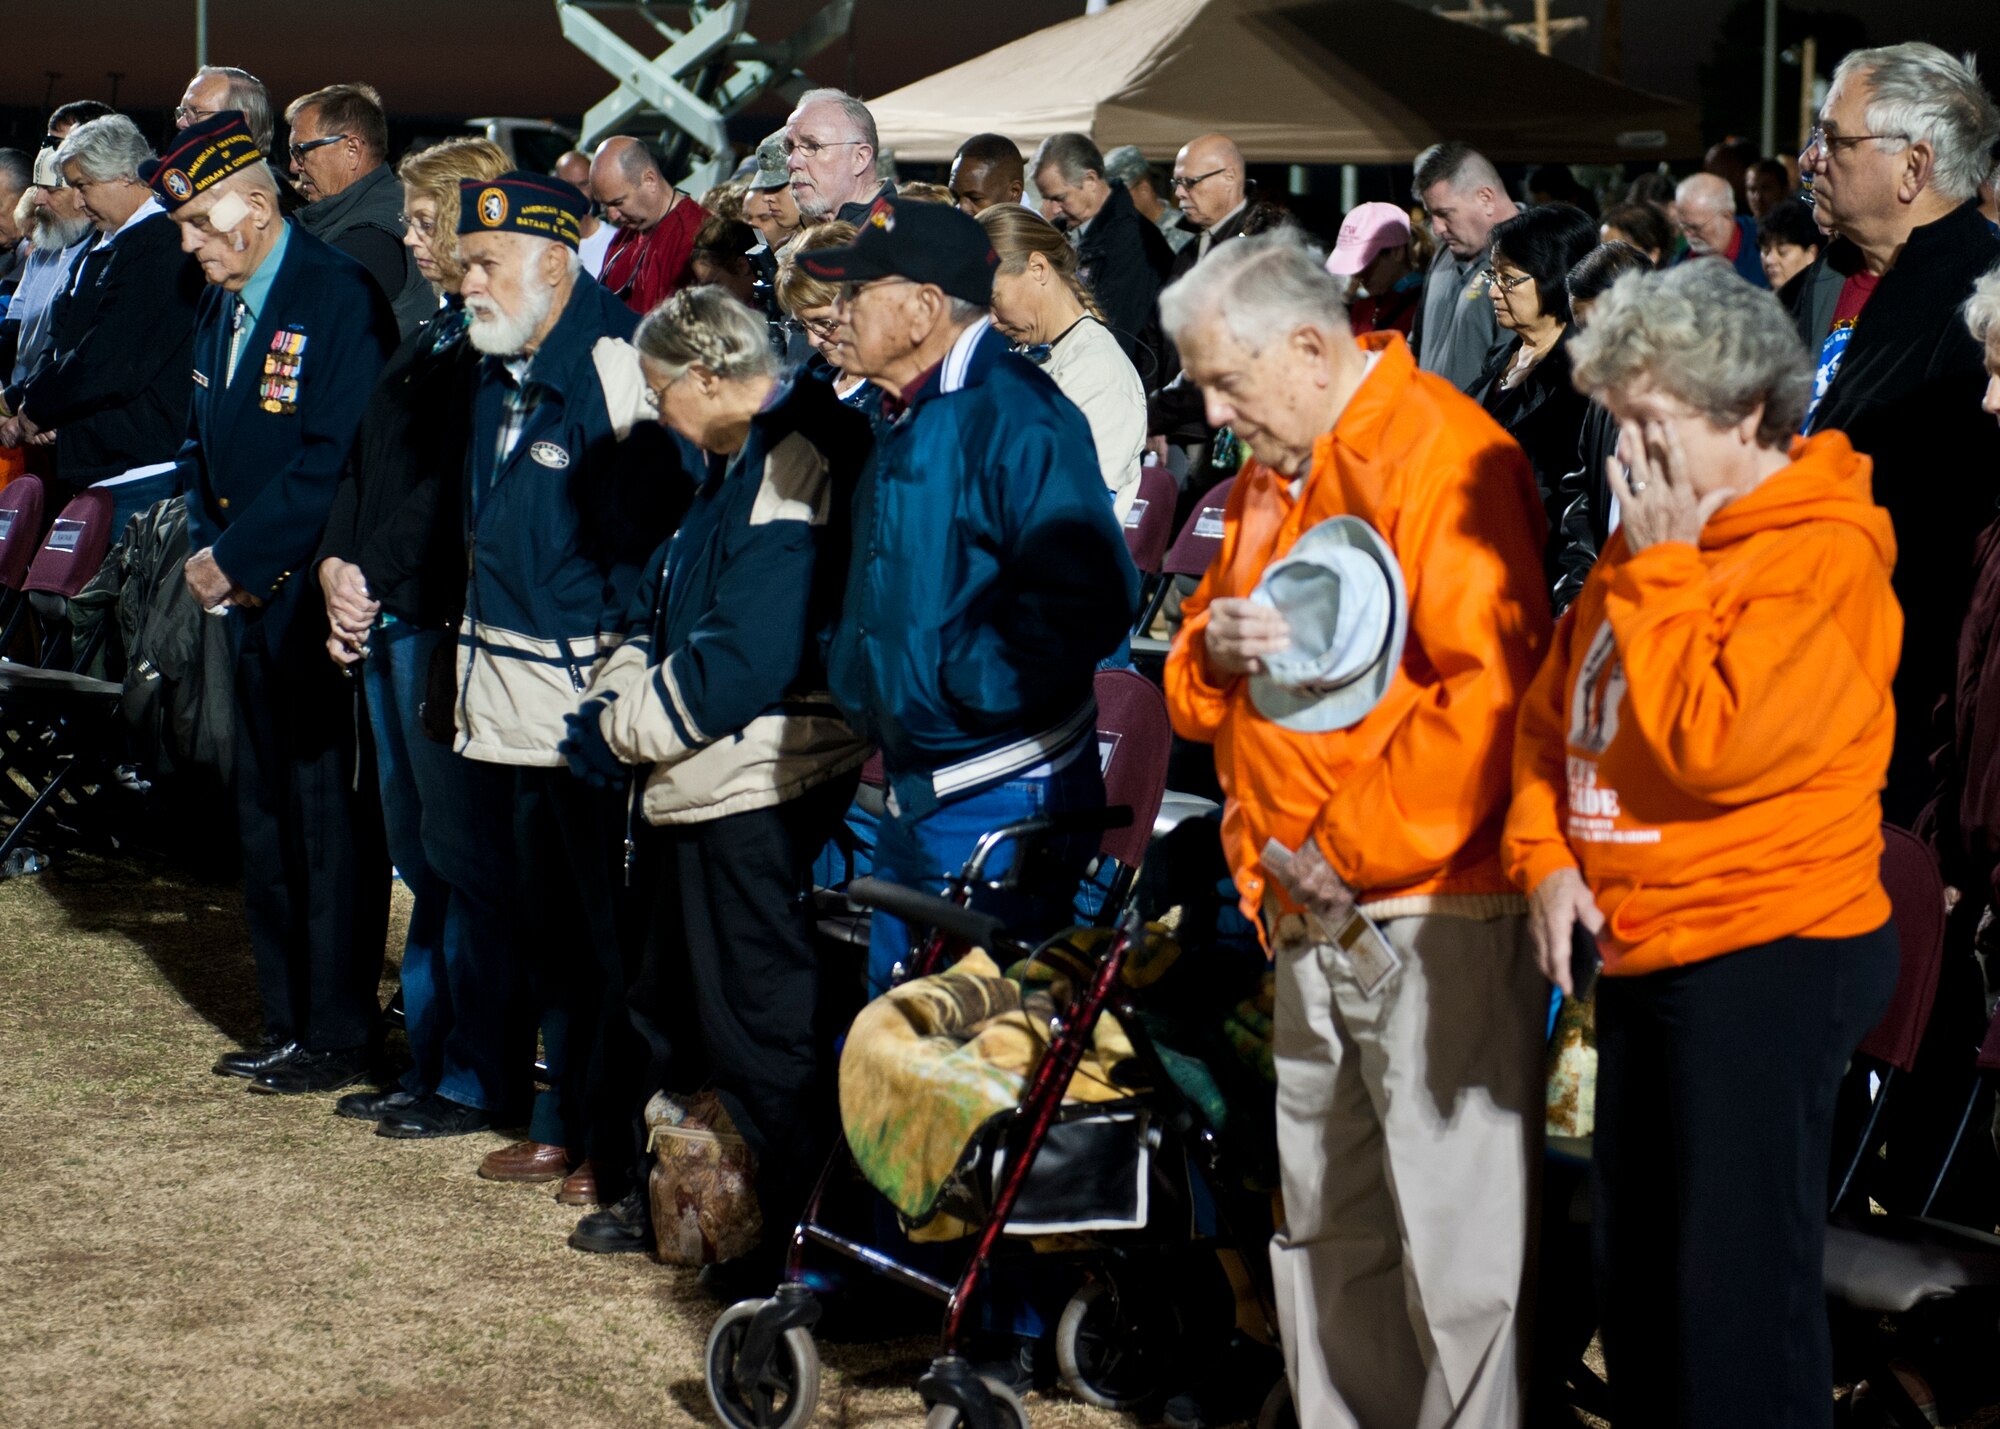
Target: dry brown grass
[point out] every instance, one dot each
(181, 1252)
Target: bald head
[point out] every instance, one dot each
(1705, 212)
(624, 178)
(573, 169)
(1209, 181)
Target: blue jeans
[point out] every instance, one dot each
(924, 852)
(447, 824)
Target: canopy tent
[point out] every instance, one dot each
(1291, 81)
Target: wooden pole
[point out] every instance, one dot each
(1767, 133)
(1808, 82)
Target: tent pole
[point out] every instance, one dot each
(1808, 88)
(200, 33)
(1768, 134)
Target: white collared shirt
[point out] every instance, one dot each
(1207, 239)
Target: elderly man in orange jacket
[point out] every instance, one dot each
(1366, 795)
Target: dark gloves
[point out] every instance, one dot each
(590, 758)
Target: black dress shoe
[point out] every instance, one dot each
(314, 1072)
(433, 1116)
(621, 1229)
(373, 1106)
(255, 1061)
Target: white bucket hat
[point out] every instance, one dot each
(1341, 591)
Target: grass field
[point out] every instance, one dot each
(181, 1252)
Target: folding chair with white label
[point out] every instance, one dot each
(1193, 551)
(58, 728)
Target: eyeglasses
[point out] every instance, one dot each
(1831, 144)
(819, 327)
(1503, 282)
(810, 149)
(426, 226)
(299, 151)
(849, 293)
(1177, 182)
(188, 114)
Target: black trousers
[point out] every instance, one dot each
(1715, 1096)
(578, 944)
(315, 872)
(732, 990)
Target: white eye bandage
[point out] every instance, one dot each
(229, 211)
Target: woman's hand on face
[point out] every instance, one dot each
(1558, 904)
(1656, 500)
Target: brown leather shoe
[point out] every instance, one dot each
(525, 1161)
(579, 1188)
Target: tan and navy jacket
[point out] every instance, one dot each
(569, 486)
(715, 677)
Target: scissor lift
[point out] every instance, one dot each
(712, 68)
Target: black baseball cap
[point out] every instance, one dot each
(908, 238)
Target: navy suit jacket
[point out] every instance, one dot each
(260, 482)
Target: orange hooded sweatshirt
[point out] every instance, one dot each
(1407, 804)
(1708, 738)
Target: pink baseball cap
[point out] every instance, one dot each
(1369, 230)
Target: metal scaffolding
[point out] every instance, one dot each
(712, 67)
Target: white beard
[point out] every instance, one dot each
(498, 333)
(52, 235)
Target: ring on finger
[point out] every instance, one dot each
(1637, 487)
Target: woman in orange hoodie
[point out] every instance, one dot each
(1697, 782)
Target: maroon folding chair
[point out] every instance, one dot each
(57, 727)
(68, 558)
(1191, 554)
(1134, 739)
(1880, 1267)
(20, 525)
(1150, 522)
(1916, 902)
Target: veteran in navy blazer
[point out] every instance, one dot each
(289, 340)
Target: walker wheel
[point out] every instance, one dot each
(1115, 1348)
(781, 1394)
(1012, 1412)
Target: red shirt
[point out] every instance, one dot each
(1854, 296)
(645, 269)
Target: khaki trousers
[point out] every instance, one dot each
(1409, 1137)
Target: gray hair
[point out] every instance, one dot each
(706, 327)
(1702, 335)
(246, 93)
(1264, 287)
(1126, 164)
(1457, 164)
(17, 171)
(853, 110)
(1982, 309)
(1071, 155)
(1709, 190)
(106, 150)
(1921, 94)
